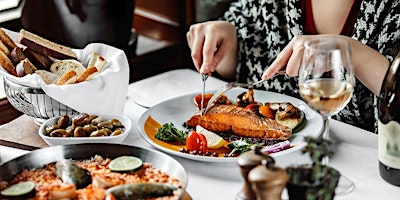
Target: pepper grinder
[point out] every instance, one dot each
(247, 161)
(268, 180)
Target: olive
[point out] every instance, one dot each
(91, 117)
(88, 128)
(105, 125)
(58, 133)
(50, 129)
(99, 133)
(63, 121)
(70, 130)
(79, 132)
(107, 130)
(116, 132)
(116, 123)
(81, 119)
(97, 120)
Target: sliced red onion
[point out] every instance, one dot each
(280, 146)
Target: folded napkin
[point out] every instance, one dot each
(151, 91)
(105, 94)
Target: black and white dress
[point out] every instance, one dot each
(265, 27)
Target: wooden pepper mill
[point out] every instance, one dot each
(247, 161)
(268, 180)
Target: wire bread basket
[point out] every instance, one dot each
(34, 102)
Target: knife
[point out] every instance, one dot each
(204, 77)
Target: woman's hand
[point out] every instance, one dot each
(369, 65)
(213, 44)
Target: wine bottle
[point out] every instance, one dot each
(389, 125)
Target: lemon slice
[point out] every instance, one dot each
(125, 164)
(19, 189)
(214, 141)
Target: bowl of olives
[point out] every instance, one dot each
(85, 128)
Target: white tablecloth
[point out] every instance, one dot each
(355, 156)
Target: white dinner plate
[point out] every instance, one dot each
(178, 110)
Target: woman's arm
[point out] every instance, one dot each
(369, 65)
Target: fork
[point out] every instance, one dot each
(231, 85)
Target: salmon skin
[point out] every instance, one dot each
(241, 121)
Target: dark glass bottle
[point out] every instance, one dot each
(389, 125)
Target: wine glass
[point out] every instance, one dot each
(326, 84)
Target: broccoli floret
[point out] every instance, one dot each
(169, 133)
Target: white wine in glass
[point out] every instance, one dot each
(326, 83)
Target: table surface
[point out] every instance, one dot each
(355, 156)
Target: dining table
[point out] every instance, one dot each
(355, 155)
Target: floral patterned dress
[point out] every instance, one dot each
(265, 27)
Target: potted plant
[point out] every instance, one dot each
(315, 181)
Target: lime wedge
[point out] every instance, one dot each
(214, 141)
(18, 189)
(125, 164)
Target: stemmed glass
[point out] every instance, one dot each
(326, 82)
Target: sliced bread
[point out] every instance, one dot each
(63, 66)
(17, 55)
(44, 46)
(88, 74)
(48, 77)
(25, 67)
(5, 38)
(6, 64)
(68, 78)
(39, 60)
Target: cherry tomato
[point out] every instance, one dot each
(267, 112)
(196, 141)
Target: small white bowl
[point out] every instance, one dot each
(53, 141)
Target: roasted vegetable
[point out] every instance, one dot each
(169, 133)
(140, 191)
(245, 98)
(69, 172)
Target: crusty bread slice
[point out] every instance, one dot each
(63, 66)
(4, 48)
(6, 64)
(98, 61)
(68, 78)
(17, 55)
(48, 77)
(44, 46)
(5, 38)
(88, 74)
(25, 67)
(39, 60)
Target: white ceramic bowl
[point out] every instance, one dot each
(53, 141)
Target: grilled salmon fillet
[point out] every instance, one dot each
(241, 121)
